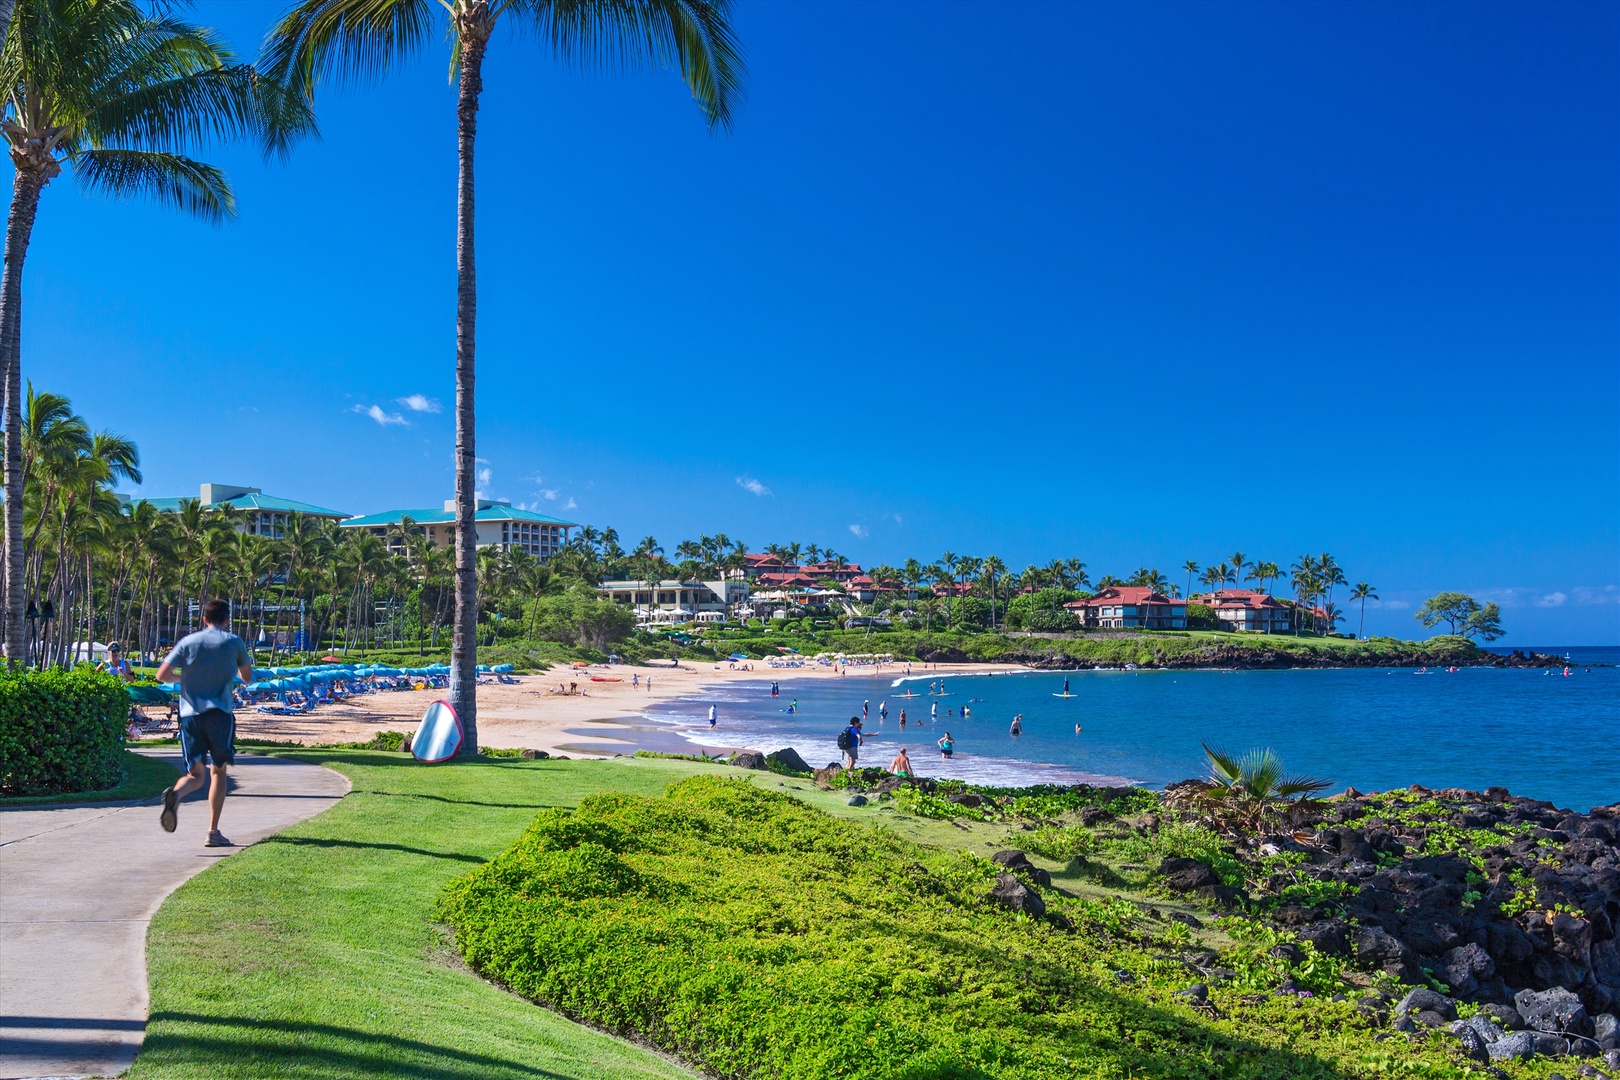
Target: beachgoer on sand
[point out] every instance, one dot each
(208, 662)
(849, 741)
(947, 746)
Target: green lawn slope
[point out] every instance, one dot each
(315, 954)
(752, 924)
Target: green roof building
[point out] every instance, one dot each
(266, 514)
(498, 522)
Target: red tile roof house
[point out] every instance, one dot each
(1247, 609)
(1131, 606)
(823, 570)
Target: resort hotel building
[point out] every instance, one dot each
(266, 515)
(678, 601)
(499, 523)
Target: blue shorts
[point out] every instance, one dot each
(209, 734)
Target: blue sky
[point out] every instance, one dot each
(1134, 283)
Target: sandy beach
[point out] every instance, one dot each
(531, 715)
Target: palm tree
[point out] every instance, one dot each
(1239, 563)
(1363, 592)
(1190, 568)
(993, 568)
(117, 95)
(337, 39)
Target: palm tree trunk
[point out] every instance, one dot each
(25, 189)
(473, 26)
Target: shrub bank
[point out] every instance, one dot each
(759, 937)
(61, 731)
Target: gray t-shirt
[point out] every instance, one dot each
(208, 662)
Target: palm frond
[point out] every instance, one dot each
(170, 179)
(1224, 769)
(692, 36)
(1302, 785)
(344, 40)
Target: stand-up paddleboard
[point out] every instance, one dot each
(439, 735)
(1065, 695)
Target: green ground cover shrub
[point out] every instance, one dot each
(759, 937)
(61, 731)
(142, 778)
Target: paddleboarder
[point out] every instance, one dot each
(206, 663)
(1065, 686)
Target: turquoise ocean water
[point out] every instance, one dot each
(1548, 736)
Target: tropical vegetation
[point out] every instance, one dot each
(119, 94)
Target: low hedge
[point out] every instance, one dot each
(61, 731)
(756, 936)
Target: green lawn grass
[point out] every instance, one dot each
(144, 778)
(314, 953)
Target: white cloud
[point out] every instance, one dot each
(1389, 605)
(419, 403)
(752, 486)
(483, 475)
(858, 530)
(570, 504)
(549, 494)
(1552, 599)
(377, 413)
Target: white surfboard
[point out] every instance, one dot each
(439, 735)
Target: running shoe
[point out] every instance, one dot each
(171, 806)
(217, 839)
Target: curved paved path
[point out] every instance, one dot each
(78, 886)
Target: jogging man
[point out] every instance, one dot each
(208, 662)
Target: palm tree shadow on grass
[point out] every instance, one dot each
(311, 841)
(285, 1047)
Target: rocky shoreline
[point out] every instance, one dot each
(1501, 911)
(1229, 656)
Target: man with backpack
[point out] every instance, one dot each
(849, 741)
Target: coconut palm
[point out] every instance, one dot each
(117, 95)
(1190, 567)
(1239, 563)
(1363, 592)
(335, 39)
(994, 569)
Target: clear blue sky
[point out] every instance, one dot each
(1131, 283)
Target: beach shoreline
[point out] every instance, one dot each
(608, 719)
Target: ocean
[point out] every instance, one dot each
(1545, 735)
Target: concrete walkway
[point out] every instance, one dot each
(78, 886)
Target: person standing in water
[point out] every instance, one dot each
(933, 710)
(866, 710)
(947, 746)
(902, 719)
(713, 715)
(1017, 725)
(883, 711)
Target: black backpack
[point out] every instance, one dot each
(843, 739)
